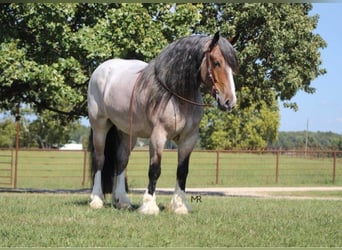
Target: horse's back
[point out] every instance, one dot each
(111, 84)
(108, 71)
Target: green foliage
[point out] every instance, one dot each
(7, 133)
(277, 49)
(315, 140)
(48, 52)
(41, 69)
(278, 54)
(43, 132)
(250, 128)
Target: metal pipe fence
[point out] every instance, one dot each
(65, 169)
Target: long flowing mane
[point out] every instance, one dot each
(178, 66)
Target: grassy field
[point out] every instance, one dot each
(64, 170)
(50, 220)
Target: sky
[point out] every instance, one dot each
(321, 111)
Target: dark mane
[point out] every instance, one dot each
(178, 65)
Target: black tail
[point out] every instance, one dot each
(112, 143)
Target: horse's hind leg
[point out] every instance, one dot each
(99, 139)
(119, 196)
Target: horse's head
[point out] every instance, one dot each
(217, 69)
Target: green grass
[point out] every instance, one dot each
(35, 220)
(64, 169)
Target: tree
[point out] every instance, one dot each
(278, 54)
(48, 51)
(36, 57)
(250, 128)
(277, 49)
(7, 133)
(42, 132)
(316, 140)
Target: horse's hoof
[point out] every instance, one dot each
(150, 209)
(178, 203)
(121, 201)
(182, 210)
(125, 206)
(149, 205)
(96, 202)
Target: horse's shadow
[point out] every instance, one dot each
(108, 204)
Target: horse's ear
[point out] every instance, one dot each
(214, 41)
(233, 40)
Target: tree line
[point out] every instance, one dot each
(41, 133)
(310, 140)
(48, 52)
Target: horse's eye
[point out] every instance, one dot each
(216, 64)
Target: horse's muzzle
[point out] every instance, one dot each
(227, 106)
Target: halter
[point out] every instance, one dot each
(210, 72)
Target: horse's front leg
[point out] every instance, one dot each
(178, 201)
(157, 142)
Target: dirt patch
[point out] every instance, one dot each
(298, 193)
(319, 193)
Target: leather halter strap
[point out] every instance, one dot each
(210, 72)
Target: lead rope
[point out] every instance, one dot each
(131, 114)
(181, 97)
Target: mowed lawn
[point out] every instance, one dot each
(66, 220)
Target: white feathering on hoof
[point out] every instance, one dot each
(119, 196)
(97, 194)
(96, 201)
(149, 205)
(178, 202)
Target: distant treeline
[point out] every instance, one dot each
(315, 140)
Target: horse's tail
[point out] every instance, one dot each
(108, 170)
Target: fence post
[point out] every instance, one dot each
(277, 166)
(84, 167)
(17, 118)
(12, 180)
(217, 166)
(334, 168)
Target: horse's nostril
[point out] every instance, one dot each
(229, 106)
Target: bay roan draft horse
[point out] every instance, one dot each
(161, 101)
